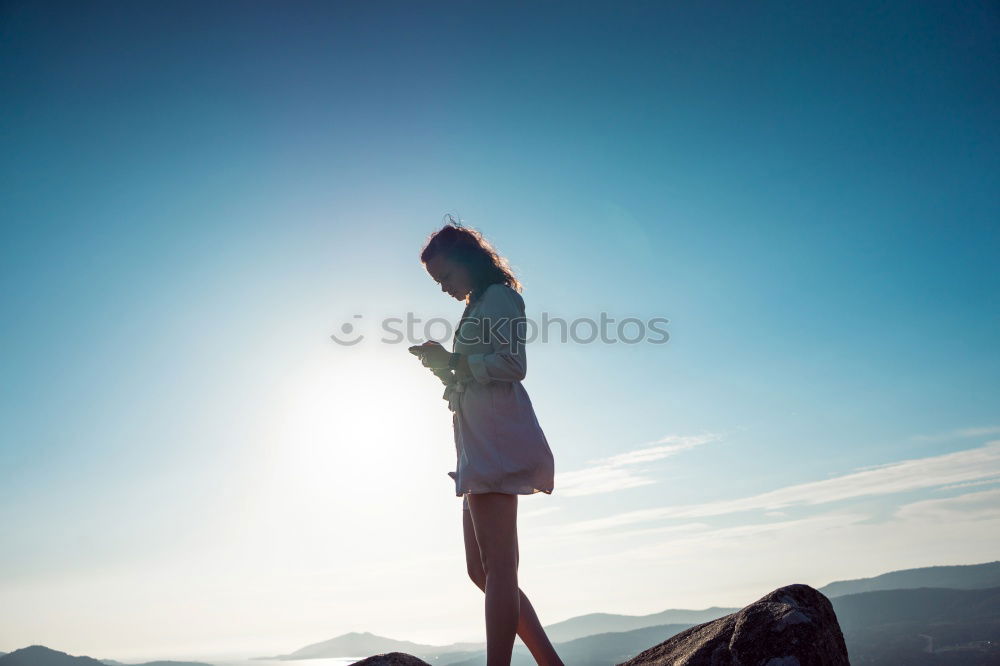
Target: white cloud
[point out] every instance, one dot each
(611, 474)
(981, 482)
(960, 433)
(969, 465)
(595, 480)
(694, 565)
(982, 505)
(685, 541)
(536, 512)
(664, 447)
(969, 520)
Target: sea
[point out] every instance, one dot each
(330, 661)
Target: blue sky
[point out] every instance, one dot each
(196, 195)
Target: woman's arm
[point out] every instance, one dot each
(434, 357)
(502, 320)
(462, 368)
(444, 374)
(501, 325)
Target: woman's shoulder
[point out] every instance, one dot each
(503, 288)
(501, 296)
(499, 287)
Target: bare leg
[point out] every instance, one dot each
(494, 516)
(531, 632)
(528, 627)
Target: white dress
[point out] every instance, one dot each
(499, 444)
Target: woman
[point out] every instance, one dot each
(502, 451)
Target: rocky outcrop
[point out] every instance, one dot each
(391, 659)
(792, 626)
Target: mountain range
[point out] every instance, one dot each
(929, 615)
(39, 655)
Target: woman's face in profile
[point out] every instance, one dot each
(452, 276)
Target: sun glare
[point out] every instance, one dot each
(355, 427)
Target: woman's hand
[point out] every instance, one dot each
(433, 355)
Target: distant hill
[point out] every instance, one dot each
(39, 655)
(595, 650)
(959, 577)
(930, 615)
(922, 605)
(602, 623)
(615, 647)
(921, 627)
(357, 644)
(112, 662)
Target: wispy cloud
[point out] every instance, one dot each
(688, 539)
(965, 466)
(606, 475)
(839, 543)
(961, 433)
(536, 512)
(981, 505)
(981, 482)
(975, 514)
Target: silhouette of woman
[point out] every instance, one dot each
(501, 449)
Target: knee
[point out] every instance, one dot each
(502, 563)
(478, 576)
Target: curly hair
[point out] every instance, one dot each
(468, 247)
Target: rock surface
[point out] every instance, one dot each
(792, 626)
(391, 659)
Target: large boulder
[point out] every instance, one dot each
(391, 659)
(792, 626)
